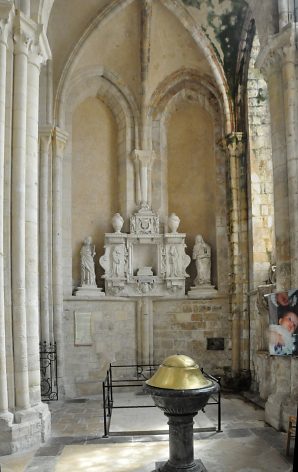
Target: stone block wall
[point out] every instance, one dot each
(179, 326)
(277, 379)
(183, 326)
(112, 339)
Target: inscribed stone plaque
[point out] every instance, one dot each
(83, 329)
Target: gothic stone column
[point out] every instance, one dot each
(235, 147)
(22, 40)
(37, 55)
(5, 25)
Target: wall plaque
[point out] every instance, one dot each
(215, 344)
(83, 329)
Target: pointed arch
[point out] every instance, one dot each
(187, 85)
(98, 83)
(108, 12)
(205, 46)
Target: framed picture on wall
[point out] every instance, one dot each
(283, 323)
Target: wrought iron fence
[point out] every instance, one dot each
(142, 373)
(48, 371)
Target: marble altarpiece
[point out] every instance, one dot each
(145, 261)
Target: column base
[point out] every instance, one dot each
(196, 466)
(6, 419)
(29, 428)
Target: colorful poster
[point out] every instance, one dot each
(283, 323)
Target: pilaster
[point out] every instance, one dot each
(145, 331)
(45, 139)
(59, 143)
(145, 52)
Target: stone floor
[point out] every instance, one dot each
(245, 443)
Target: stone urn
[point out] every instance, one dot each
(180, 390)
(173, 222)
(117, 222)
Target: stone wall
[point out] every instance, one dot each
(94, 178)
(112, 330)
(179, 326)
(278, 386)
(183, 327)
(191, 164)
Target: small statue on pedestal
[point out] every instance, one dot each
(117, 256)
(87, 254)
(174, 261)
(202, 255)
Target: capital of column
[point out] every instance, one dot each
(45, 134)
(34, 56)
(60, 139)
(280, 49)
(6, 20)
(234, 144)
(30, 39)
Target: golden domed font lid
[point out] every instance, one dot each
(179, 372)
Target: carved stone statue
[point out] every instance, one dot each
(87, 254)
(202, 255)
(174, 261)
(117, 256)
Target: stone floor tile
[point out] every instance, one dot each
(245, 444)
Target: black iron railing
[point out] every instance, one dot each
(48, 371)
(215, 399)
(142, 373)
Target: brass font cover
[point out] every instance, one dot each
(179, 372)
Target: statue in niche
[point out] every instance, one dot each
(87, 254)
(117, 260)
(174, 261)
(125, 261)
(163, 268)
(202, 255)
